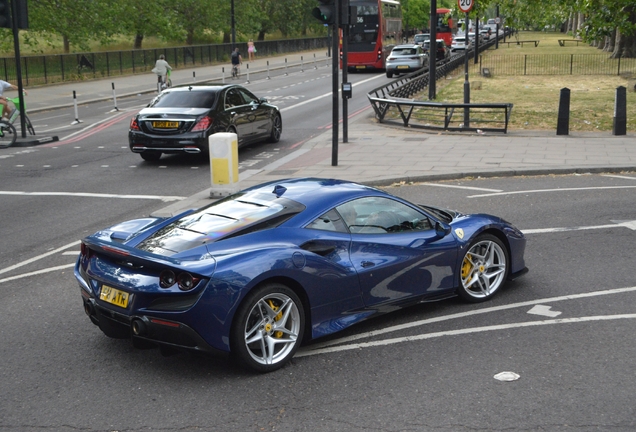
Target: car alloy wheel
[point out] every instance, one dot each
(483, 269)
(268, 328)
(277, 129)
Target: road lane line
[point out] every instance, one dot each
(625, 224)
(37, 272)
(550, 190)
(165, 198)
(472, 313)
(394, 341)
(39, 257)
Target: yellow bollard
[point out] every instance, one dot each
(224, 171)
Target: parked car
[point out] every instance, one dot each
(258, 272)
(485, 34)
(443, 52)
(460, 43)
(404, 58)
(421, 38)
(180, 120)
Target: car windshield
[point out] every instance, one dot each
(421, 38)
(184, 99)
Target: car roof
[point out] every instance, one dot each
(202, 87)
(316, 193)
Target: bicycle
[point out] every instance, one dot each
(8, 133)
(236, 71)
(161, 85)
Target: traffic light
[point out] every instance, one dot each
(5, 13)
(324, 12)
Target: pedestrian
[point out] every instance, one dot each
(161, 69)
(6, 111)
(251, 50)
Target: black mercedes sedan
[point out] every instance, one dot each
(180, 120)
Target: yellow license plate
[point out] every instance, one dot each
(361, 67)
(114, 296)
(165, 125)
(403, 67)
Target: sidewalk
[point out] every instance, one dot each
(377, 154)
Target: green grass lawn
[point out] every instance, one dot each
(536, 97)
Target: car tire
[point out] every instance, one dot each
(277, 129)
(484, 269)
(265, 337)
(389, 74)
(150, 156)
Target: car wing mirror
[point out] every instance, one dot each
(262, 100)
(442, 230)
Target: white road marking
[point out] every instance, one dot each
(39, 257)
(325, 95)
(625, 224)
(393, 341)
(544, 310)
(166, 198)
(619, 177)
(550, 190)
(37, 272)
(462, 187)
(471, 313)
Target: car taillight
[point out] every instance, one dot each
(167, 278)
(184, 280)
(133, 124)
(202, 124)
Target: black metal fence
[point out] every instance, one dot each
(556, 64)
(49, 69)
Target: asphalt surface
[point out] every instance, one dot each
(376, 154)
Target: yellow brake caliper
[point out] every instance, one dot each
(277, 334)
(467, 267)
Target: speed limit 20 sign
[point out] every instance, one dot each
(465, 5)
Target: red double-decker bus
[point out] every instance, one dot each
(377, 29)
(446, 25)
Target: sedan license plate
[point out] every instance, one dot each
(114, 296)
(402, 67)
(165, 125)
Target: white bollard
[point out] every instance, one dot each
(77, 120)
(114, 99)
(224, 171)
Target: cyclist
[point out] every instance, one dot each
(6, 111)
(237, 60)
(161, 69)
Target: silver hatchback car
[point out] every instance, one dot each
(405, 58)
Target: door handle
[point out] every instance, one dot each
(366, 264)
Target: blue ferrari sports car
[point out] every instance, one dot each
(259, 272)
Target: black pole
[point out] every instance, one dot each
(18, 64)
(466, 82)
(233, 24)
(620, 112)
(334, 84)
(563, 121)
(432, 52)
(476, 38)
(345, 49)
(497, 30)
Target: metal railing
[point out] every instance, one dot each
(557, 64)
(392, 104)
(50, 69)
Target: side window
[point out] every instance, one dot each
(248, 97)
(377, 215)
(330, 221)
(233, 98)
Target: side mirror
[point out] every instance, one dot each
(441, 230)
(263, 100)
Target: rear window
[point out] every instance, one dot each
(184, 99)
(404, 51)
